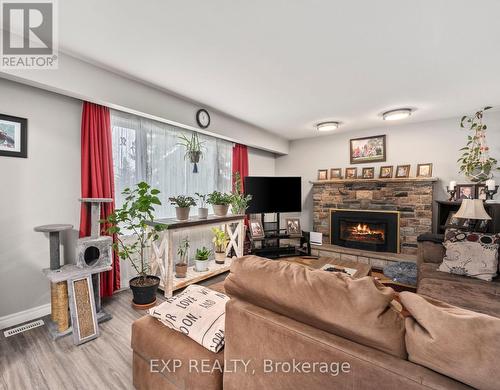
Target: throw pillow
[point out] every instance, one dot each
(455, 342)
(198, 312)
(471, 254)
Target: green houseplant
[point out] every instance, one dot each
(220, 240)
(220, 202)
(193, 147)
(133, 217)
(202, 205)
(201, 259)
(182, 264)
(475, 162)
(239, 202)
(183, 205)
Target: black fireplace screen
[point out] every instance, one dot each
(363, 229)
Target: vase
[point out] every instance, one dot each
(201, 265)
(221, 209)
(202, 213)
(182, 213)
(220, 257)
(181, 270)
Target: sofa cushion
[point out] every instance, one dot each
(356, 309)
(459, 343)
(471, 254)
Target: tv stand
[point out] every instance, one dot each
(271, 244)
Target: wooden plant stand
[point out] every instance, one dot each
(163, 251)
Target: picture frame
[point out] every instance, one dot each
(482, 226)
(256, 229)
(336, 173)
(424, 170)
(82, 309)
(293, 228)
(368, 173)
(465, 191)
(403, 171)
(368, 149)
(13, 136)
(351, 173)
(322, 174)
(452, 221)
(481, 191)
(386, 172)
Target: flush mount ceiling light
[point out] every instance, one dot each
(327, 126)
(395, 115)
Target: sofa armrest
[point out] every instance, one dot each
(430, 248)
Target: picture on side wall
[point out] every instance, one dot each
(368, 173)
(256, 229)
(13, 136)
(293, 227)
(351, 173)
(465, 191)
(322, 174)
(424, 170)
(336, 173)
(367, 149)
(386, 172)
(403, 171)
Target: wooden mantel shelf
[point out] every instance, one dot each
(393, 180)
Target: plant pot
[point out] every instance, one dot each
(220, 257)
(181, 270)
(144, 293)
(182, 213)
(201, 265)
(202, 213)
(221, 209)
(194, 157)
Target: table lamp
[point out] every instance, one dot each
(472, 209)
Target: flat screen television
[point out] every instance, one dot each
(274, 194)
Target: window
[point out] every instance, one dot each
(147, 150)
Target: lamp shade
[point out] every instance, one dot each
(472, 209)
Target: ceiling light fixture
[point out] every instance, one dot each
(327, 126)
(395, 115)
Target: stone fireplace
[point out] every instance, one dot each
(407, 200)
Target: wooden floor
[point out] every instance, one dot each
(32, 360)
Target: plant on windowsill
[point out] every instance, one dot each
(182, 264)
(220, 240)
(201, 259)
(202, 205)
(133, 216)
(475, 162)
(193, 147)
(240, 202)
(220, 202)
(183, 205)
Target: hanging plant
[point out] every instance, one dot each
(193, 147)
(475, 162)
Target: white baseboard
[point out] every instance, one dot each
(24, 316)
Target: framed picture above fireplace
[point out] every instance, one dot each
(403, 171)
(351, 173)
(368, 173)
(367, 149)
(386, 172)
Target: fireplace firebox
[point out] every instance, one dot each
(365, 229)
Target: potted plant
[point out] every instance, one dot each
(201, 259)
(193, 147)
(475, 162)
(239, 202)
(182, 264)
(133, 216)
(183, 204)
(202, 209)
(220, 202)
(220, 240)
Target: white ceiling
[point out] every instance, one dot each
(286, 65)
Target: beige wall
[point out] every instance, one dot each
(437, 142)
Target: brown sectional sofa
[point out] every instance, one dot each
(279, 312)
(469, 293)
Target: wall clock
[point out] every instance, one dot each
(203, 118)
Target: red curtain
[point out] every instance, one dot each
(98, 178)
(240, 162)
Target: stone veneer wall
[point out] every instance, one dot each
(412, 198)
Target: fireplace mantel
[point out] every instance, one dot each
(412, 197)
(393, 180)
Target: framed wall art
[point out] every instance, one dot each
(367, 149)
(13, 136)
